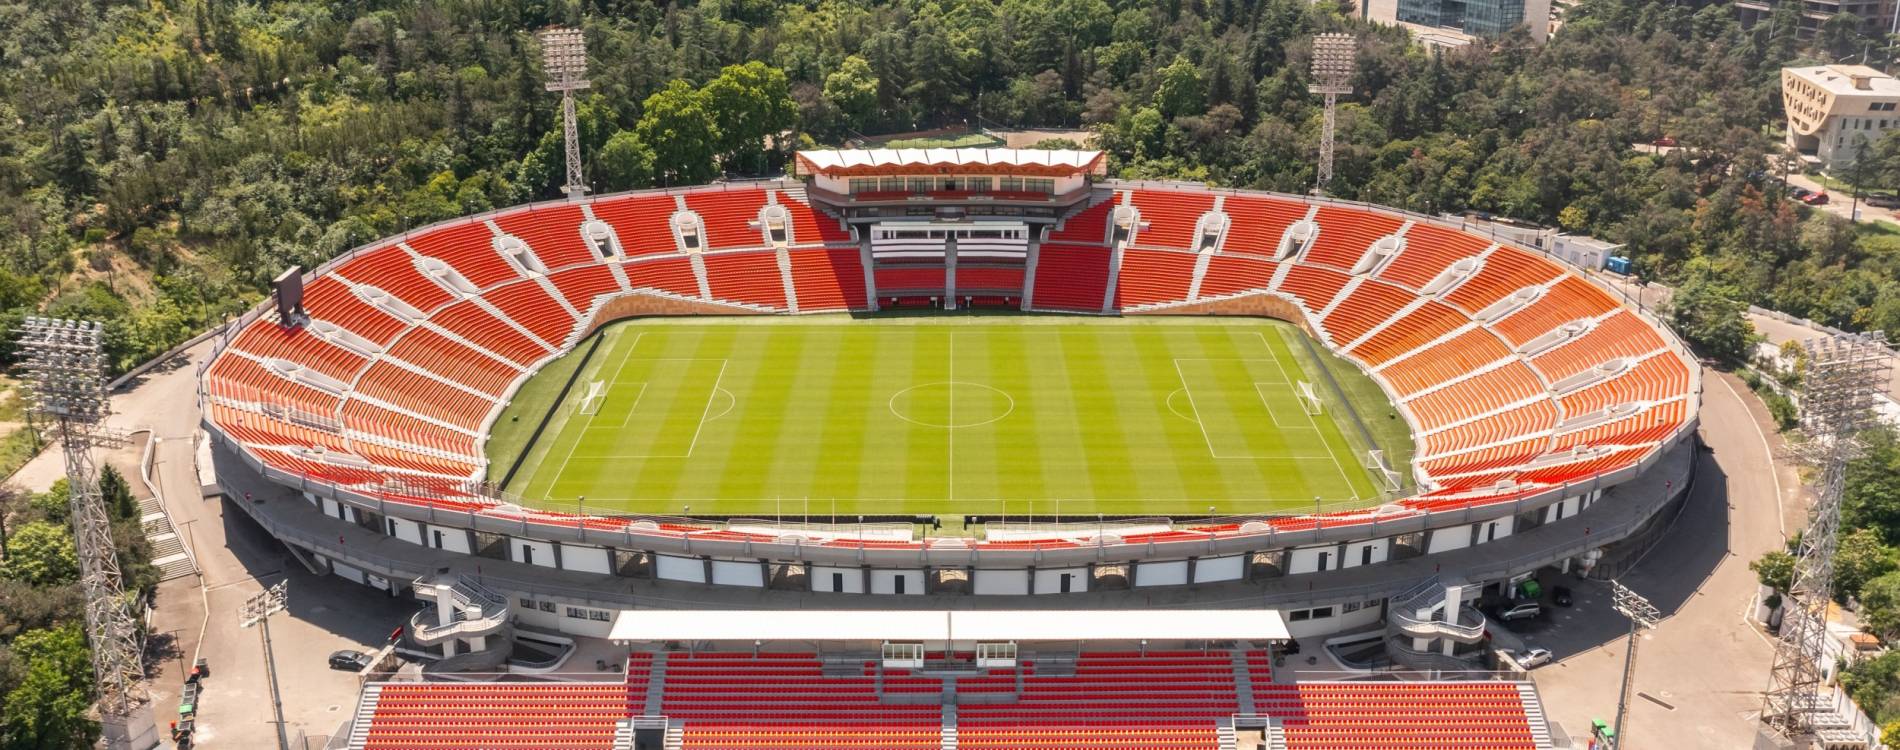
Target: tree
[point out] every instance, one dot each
(41, 553)
(852, 88)
(116, 493)
(1860, 558)
(750, 103)
(681, 132)
(625, 163)
(1712, 320)
(1880, 605)
(1775, 570)
(1180, 91)
(49, 707)
(1870, 496)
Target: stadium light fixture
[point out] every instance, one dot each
(1334, 63)
(1642, 616)
(564, 62)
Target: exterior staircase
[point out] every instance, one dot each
(169, 553)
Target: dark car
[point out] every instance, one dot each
(1883, 200)
(1798, 193)
(1560, 595)
(349, 661)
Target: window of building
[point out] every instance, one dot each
(921, 184)
(1036, 185)
(863, 185)
(1299, 615)
(527, 604)
(547, 607)
(577, 613)
(1009, 183)
(1349, 607)
(892, 184)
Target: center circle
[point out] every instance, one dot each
(951, 404)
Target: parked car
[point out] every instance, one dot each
(1815, 199)
(1798, 193)
(1560, 595)
(349, 660)
(1531, 658)
(1883, 200)
(1523, 611)
(1664, 141)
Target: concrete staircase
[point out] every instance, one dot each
(169, 554)
(656, 684)
(949, 741)
(1534, 715)
(365, 710)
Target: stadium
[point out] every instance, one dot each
(920, 448)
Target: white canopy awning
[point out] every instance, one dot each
(646, 625)
(1072, 159)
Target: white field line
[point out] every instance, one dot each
(1309, 417)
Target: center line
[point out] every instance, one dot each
(950, 473)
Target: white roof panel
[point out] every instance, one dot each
(643, 625)
(899, 157)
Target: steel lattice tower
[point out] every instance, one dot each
(1843, 380)
(66, 375)
(1333, 67)
(564, 61)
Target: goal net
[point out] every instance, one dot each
(1381, 472)
(1308, 399)
(591, 400)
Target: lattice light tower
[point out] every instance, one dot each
(1842, 384)
(1333, 67)
(1642, 616)
(66, 377)
(564, 61)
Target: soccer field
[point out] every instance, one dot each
(978, 415)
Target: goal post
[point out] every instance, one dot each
(1309, 400)
(591, 400)
(1389, 480)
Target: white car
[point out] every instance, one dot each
(1531, 658)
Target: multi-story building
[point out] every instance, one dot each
(1833, 110)
(1876, 15)
(1463, 20)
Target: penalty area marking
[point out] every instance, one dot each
(1309, 418)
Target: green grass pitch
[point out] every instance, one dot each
(833, 416)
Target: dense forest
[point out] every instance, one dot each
(161, 159)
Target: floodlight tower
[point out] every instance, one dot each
(66, 377)
(1642, 616)
(1333, 68)
(564, 61)
(1840, 394)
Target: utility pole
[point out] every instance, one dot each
(66, 378)
(257, 611)
(1333, 66)
(564, 62)
(1841, 389)
(1642, 616)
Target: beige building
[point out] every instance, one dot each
(1832, 109)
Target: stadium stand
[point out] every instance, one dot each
(730, 216)
(470, 249)
(1169, 218)
(1232, 274)
(752, 278)
(811, 226)
(902, 280)
(1345, 234)
(554, 234)
(1257, 223)
(1153, 276)
(828, 280)
(1071, 277)
(643, 224)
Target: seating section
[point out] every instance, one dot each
(1398, 715)
(642, 222)
(752, 278)
(828, 279)
(389, 391)
(1071, 277)
(459, 716)
(1345, 234)
(1153, 276)
(1256, 224)
(1169, 218)
(1162, 701)
(784, 701)
(730, 217)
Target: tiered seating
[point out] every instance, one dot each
(1643, 427)
(241, 379)
(1501, 456)
(783, 701)
(400, 387)
(1476, 395)
(1087, 227)
(642, 222)
(470, 249)
(1653, 379)
(900, 280)
(1071, 277)
(1153, 276)
(392, 270)
(528, 304)
(1429, 250)
(1232, 274)
(671, 274)
(1506, 270)
(1526, 420)
(1170, 217)
(1163, 701)
(454, 361)
(1255, 225)
(458, 716)
(1460, 354)
(483, 329)
(729, 216)
(752, 278)
(553, 234)
(811, 226)
(828, 279)
(301, 346)
(1415, 329)
(1568, 300)
(1398, 715)
(1314, 286)
(329, 299)
(369, 419)
(1619, 335)
(1000, 280)
(1345, 234)
(1368, 305)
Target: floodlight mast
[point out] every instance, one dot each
(564, 61)
(66, 378)
(1333, 68)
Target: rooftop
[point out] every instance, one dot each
(1066, 159)
(1842, 80)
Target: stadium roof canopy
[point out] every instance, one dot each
(891, 160)
(643, 625)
